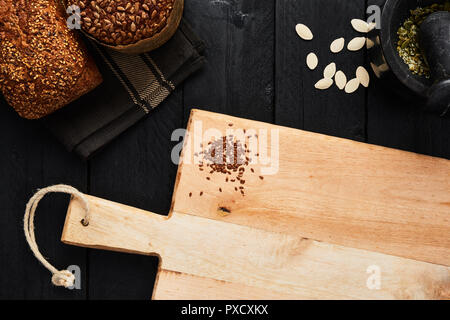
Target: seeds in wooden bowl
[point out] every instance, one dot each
(341, 79)
(324, 83)
(312, 61)
(123, 22)
(352, 86)
(356, 44)
(363, 76)
(329, 71)
(304, 32)
(337, 45)
(360, 25)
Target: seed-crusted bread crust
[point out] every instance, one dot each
(43, 64)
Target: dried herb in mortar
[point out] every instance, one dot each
(408, 34)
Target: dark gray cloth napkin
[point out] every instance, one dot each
(133, 85)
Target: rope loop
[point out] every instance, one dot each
(63, 278)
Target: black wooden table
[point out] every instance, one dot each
(256, 69)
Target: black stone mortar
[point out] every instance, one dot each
(435, 42)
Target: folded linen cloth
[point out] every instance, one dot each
(133, 86)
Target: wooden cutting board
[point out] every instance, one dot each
(338, 219)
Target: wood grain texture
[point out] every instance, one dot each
(332, 190)
(397, 120)
(31, 159)
(238, 78)
(400, 123)
(298, 103)
(292, 265)
(173, 285)
(136, 169)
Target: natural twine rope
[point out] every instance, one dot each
(60, 277)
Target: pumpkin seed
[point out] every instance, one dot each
(312, 61)
(360, 25)
(324, 83)
(363, 76)
(303, 32)
(370, 44)
(356, 44)
(337, 45)
(384, 67)
(376, 70)
(352, 86)
(329, 71)
(340, 79)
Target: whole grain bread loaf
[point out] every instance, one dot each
(43, 64)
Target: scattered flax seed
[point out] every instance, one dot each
(190, 194)
(201, 193)
(230, 124)
(261, 177)
(229, 156)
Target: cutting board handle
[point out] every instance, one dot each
(114, 226)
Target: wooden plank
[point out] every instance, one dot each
(401, 123)
(140, 159)
(31, 159)
(298, 103)
(238, 78)
(255, 258)
(332, 190)
(136, 169)
(172, 285)
(397, 120)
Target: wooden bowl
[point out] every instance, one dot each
(153, 42)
